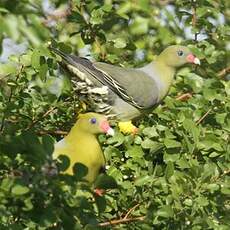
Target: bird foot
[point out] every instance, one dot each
(127, 127)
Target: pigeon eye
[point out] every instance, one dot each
(180, 53)
(93, 120)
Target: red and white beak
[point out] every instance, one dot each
(192, 59)
(104, 125)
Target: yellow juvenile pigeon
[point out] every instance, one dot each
(81, 144)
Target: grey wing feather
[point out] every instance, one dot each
(133, 86)
(140, 86)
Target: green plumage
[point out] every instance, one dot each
(131, 92)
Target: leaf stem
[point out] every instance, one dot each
(131, 210)
(203, 117)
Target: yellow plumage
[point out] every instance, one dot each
(81, 144)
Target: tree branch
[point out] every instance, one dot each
(194, 15)
(55, 132)
(125, 219)
(223, 72)
(122, 221)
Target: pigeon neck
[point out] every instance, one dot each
(162, 74)
(166, 75)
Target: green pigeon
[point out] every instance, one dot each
(81, 144)
(125, 93)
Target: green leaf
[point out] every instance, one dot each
(48, 143)
(107, 7)
(209, 144)
(148, 144)
(225, 190)
(43, 71)
(64, 47)
(3, 10)
(35, 59)
(119, 43)
(63, 162)
(135, 152)
(6, 69)
(169, 171)
(227, 88)
(214, 154)
(171, 157)
(202, 201)
(105, 182)
(213, 187)
(191, 127)
(195, 81)
(101, 203)
(97, 16)
(220, 118)
(6, 184)
(19, 190)
(140, 181)
(188, 202)
(150, 132)
(139, 25)
(76, 17)
(165, 211)
(183, 163)
(28, 204)
(117, 139)
(80, 170)
(169, 143)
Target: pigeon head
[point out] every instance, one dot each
(176, 56)
(94, 123)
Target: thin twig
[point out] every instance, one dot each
(226, 172)
(131, 210)
(121, 221)
(194, 18)
(43, 116)
(224, 72)
(12, 91)
(203, 117)
(55, 132)
(194, 15)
